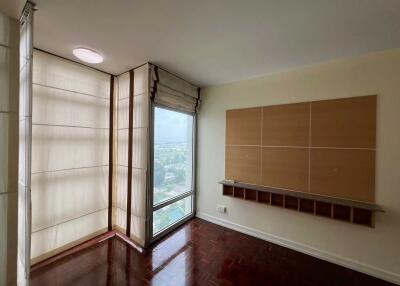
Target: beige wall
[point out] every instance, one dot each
(371, 250)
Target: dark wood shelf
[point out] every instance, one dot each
(336, 208)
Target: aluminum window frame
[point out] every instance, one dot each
(150, 236)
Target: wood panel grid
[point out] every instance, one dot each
(322, 147)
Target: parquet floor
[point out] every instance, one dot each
(198, 253)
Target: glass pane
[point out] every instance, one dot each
(172, 213)
(173, 154)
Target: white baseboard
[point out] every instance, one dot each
(342, 261)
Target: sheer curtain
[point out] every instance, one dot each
(140, 131)
(71, 105)
(9, 74)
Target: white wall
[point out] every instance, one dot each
(372, 250)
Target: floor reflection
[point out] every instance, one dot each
(198, 253)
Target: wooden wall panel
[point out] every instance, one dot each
(243, 164)
(345, 173)
(286, 125)
(323, 147)
(285, 168)
(345, 123)
(243, 126)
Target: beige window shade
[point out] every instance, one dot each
(140, 130)
(122, 150)
(9, 74)
(169, 90)
(71, 105)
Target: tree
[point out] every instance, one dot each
(159, 173)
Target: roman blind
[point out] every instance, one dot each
(71, 105)
(9, 74)
(132, 89)
(171, 91)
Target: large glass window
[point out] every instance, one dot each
(172, 167)
(170, 214)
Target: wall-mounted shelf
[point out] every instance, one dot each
(336, 208)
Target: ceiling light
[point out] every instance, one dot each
(88, 55)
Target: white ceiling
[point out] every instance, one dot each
(12, 8)
(210, 42)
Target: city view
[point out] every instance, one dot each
(172, 166)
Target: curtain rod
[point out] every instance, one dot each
(64, 58)
(76, 62)
(150, 63)
(133, 68)
(173, 74)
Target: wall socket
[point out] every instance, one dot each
(221, 209)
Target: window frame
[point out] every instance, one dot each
(150, 237)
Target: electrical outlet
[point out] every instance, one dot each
(221, 209)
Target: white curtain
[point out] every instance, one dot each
(71, 105)
(9, 74)
(140, 133)
(171, 91)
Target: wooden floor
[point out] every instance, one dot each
(198, 253)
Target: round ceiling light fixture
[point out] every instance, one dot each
(88, 55)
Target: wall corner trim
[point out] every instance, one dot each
(327, 256)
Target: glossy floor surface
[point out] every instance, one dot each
(198, 253)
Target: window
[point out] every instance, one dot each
(172, 213)
(172, 168)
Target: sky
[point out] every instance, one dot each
(171, 126)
